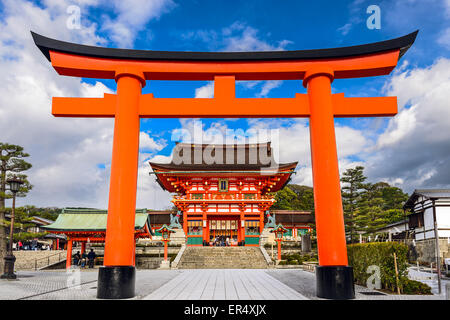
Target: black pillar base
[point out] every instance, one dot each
(9, 268)
(116, 282)
(335, 282)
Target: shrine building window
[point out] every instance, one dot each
(223, 185)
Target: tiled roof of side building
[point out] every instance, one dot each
(427, 193)
(92, 220)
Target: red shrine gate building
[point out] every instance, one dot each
(228, 197)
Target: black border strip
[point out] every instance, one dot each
(46, 44)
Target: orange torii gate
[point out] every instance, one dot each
(131, 69)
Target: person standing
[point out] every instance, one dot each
(91, 258)
(83, 259)
(76, 258)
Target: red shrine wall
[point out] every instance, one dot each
(225, 207)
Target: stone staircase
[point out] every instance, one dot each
(222, 258)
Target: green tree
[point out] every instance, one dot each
(305, 197)
(11, 163)
(394, 198)
(22, 222)
(46, 213)
(352, 189)
(285, 199)
(370, 214)
(294, 197)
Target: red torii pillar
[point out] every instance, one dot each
(317, 68)
(69, 254)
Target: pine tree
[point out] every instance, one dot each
(352, 189)
(371, 214)
(11, 163)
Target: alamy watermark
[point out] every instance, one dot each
(374, 281)
(74, 19)
(230, 146)
(73, 280)
(374, 20)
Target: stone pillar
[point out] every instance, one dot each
(306, 243)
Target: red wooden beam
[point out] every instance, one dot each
(297, 107)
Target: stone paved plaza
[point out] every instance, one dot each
(197, 284)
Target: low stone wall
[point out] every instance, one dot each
(148, 262)
(30, 259)
(148, 257)
(426, 252)
(156, 250)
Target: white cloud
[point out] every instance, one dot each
(206, 91)
(148, 143)
(345, 28)
(444, 38)
(268, 86)
(70, 156)
(447, 8)
(132, 16)
(234, 38)
(291, 141)
(241, 37)
(415, 148)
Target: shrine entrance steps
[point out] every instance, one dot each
(222, 258)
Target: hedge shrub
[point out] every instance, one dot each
(381, 254)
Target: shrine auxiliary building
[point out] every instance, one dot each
(223, 190)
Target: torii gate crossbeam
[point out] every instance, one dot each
(317, 69)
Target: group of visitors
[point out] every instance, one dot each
(221, 241)
(30, 245)
(80, 260)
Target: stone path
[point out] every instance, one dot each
(188, 284)
(35, 284)
(225, 284)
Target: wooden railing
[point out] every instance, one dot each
(49, 260)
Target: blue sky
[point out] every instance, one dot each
(71, 157)
(200, 25)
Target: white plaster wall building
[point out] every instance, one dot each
(430, 214)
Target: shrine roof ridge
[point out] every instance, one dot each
(224, 145)
(222, 167)
(46, 45)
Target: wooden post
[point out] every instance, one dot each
(272, 249)
(327, 190)
(437, 250)
(396, 274)
(165, 250)
(185, 223)
(69, 254)
(279, 250)
(116, 279)
(120, 242)
(333, 275)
